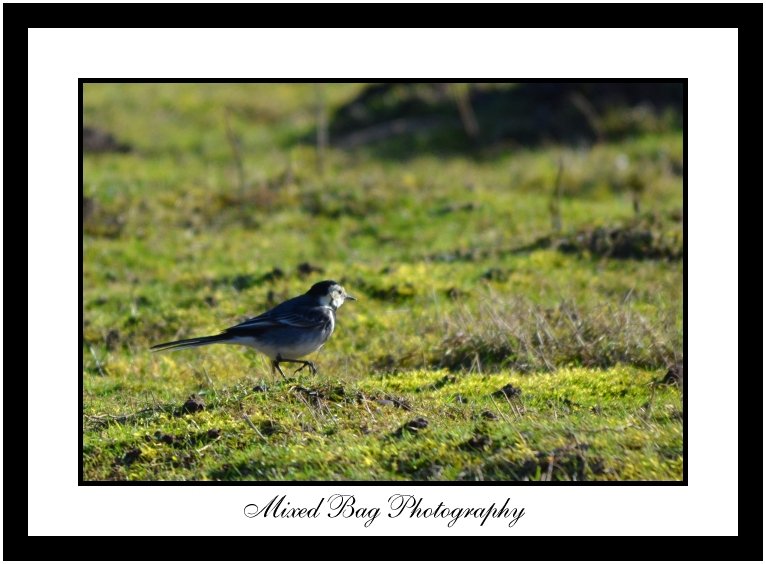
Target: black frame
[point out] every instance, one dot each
(747, 18)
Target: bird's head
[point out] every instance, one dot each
(329, 293)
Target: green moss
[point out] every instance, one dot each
(176, 248)
(592, 425)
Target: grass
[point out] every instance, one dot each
(463, 289)
(569, 424)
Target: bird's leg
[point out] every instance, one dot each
(275, 367)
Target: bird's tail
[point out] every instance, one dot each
(189, 343)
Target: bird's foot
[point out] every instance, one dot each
(307, 364)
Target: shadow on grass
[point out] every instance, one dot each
(401, 120)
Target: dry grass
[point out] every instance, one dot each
(515, 333)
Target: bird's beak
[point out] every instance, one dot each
(348, 297)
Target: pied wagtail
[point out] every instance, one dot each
(287, 332)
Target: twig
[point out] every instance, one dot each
(656, 342)
(207, 446)
(542, 322)
(209, 381)
(103, 418)
(514, 407)
(236, 149)
(98, 363)
(399, 126)
(549, 473)
(462, 95)
(610, 429)
(555, 205)
(580, 102)
(252, 425)
(322, 132)
(311, 411)
(500, 411)
(364, 403)
(576, 329)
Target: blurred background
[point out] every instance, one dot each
(485, 227)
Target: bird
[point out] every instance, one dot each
(286, 333)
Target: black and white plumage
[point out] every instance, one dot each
(285, 333)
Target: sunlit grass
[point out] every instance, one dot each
(174, 248)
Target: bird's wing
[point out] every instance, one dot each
(304, 318)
